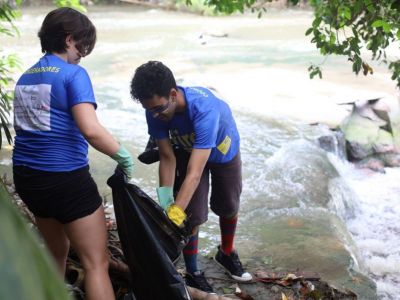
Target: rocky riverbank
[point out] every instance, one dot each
(268, 283)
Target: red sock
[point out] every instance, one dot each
(228, 229)
(190, 254)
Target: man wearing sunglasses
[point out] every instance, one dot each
(204, 129)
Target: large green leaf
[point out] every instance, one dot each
(26, 272)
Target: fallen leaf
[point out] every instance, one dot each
(226, 290)
(244, 296)
(290, 276)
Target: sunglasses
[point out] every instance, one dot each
(161, 108)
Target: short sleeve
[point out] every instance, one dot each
(156, 128)
(205, 124)
(79, 88)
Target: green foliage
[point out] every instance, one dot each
(229, 7)
(70, 3)
(315, 70)
(196, 6)
(349, 26)
(26, 271)
(8, 14)
(341, 27)
(8, 64)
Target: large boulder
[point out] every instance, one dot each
(296, 218)
(372, 133)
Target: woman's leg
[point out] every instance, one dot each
(56, 240)
(88, 237)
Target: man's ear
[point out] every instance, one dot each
(173, 93)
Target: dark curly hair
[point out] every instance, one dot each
(152, 79)
(64, 21)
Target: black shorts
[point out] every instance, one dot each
(64, 196)
(226, 188)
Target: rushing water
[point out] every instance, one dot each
(301, 207)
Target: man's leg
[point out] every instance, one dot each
(190, 252)
(194, 276)
(228, 229)
(226, 181)
(197, 212)
(226, 184)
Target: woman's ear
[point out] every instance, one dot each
(68, 40)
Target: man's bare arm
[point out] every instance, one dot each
(166, 170)
(197, 162)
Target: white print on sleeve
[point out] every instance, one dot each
(32, 107)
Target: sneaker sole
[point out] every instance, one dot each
(193, 287)
(237, 278)
(209, 293)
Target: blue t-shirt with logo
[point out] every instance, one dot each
(207, 123)
(47, 137)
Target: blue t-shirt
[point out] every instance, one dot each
(207, 123)
(47, 137)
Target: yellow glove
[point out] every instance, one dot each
(176, 214)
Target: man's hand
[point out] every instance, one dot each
(176, 214)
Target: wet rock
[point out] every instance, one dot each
(372, 163)
(357, 151)
(334, 143)
(257, 290)
(390, 159)
(215, 34)
(384, 142)
(275, 289)
(372, 134)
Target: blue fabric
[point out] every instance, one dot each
(207, 123)
(47, 137)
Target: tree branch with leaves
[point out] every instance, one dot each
(8, 64)
(341, 27)
(347, 27)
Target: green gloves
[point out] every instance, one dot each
(165, 196)
(124, 160)
(176, 215)
(166, 199)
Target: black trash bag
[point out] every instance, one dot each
(150, 242)
(150, 154)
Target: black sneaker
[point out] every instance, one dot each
(198, 280)
(232, 264)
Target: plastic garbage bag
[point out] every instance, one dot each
(150, 242)
(150, 154)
